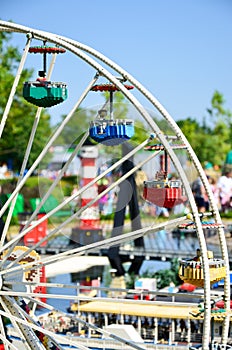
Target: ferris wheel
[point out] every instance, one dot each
(22, 266)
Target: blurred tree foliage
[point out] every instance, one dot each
(212, 139)
(77, 126)
(166, 276)
(22, 114)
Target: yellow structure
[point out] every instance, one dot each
(191, 271)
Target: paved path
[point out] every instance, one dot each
(161, 244)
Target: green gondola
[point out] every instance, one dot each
(42, 92)
(46, 94)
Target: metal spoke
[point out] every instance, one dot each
(68, 200)
(24, 164)
(93, 246)
(24, 323)
(12, 267)
(15, 84)
(14, 323)
(46, 148)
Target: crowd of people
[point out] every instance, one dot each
(221, 188)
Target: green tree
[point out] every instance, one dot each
(77, 125)
(211, 139)
(221, 116)
(166, 276)
(21, 117)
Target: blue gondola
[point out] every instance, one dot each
(111, 132)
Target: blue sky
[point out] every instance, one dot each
(180, 50)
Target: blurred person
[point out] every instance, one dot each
(42, 77)
(76, 202)
(200, 195)
(215, 190)
(198, 255)
(102, 186)
(224, 185)
(140, 177)
(3, 170)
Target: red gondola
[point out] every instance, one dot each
(161, 191)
